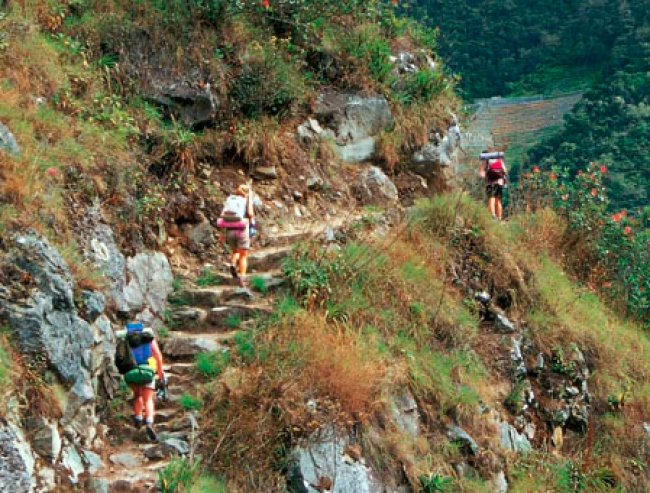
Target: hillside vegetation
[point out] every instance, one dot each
(393, 305)
(399, 311)
(80, 82)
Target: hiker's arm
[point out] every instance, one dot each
(249, 204)
(158, 357)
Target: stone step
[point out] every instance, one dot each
(230, 317)
(222, 318)
(186, 345)
(181, 424)
(128, 469)
(180, 369)
(268, 258)
(218, 295)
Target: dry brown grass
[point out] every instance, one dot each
(340, 365)
(541, 232)
(31, 64)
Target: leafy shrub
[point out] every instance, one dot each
(313, 273)
(259, 284)
(368, 48)
(191, 402)
(233, 320)
(245, 346)
(609, 249)
(432, 483)
(267, 85)
(212, 363)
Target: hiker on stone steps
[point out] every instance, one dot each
(238, 219)
(146, 353)
(493, 170)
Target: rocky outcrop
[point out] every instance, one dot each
(349, 121)
(548, 391)
(7, 140)
(149, 283)
(68, 341)
(194, 107)
(138, 286)
(438, 159)
(181, 88)
(16, 460)
(373, 187)
(328, 462)
(46, 319)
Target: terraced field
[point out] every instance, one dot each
(515, 122)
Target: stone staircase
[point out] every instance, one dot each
(208, 319)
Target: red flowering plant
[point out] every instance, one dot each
(615, 248)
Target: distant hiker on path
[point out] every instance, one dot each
(238, 220)
(493, 170)
(141, 379)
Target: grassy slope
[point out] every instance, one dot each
(383, 314)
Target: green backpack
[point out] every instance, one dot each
(140, 375)
(125, 360)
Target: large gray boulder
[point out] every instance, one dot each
(350, 121)
(175, 82)
(373, 187)
(194, 107)
(101, 249)
(323, 464)
(46, 321)
(150, 282)
(136, 284)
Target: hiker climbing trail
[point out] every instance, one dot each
(201, 319)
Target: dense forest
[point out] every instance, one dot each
(501, 48)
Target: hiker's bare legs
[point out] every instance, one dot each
(138, 401)
(149, 409)
(492, 206)
(498, 209)
(234, 259)
(243, 262)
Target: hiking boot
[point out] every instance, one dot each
(151, 433)
(233, 272)
(137, 421)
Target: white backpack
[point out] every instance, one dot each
(234, 208)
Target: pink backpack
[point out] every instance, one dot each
(495, 169)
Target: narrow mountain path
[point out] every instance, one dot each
(202, 319)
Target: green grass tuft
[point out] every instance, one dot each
(212, 363)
